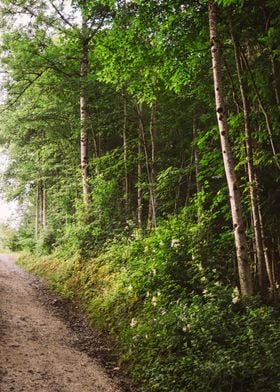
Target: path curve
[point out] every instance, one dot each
(37, 351)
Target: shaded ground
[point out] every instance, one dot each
(45, 345)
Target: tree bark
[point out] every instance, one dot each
(139, 171)
(254, 198)
(152, 201)
(243, 262)
(153, 137)
(275, 82)
(263, 110)
(44, 206)
(84, 112)
(37, 212)
(126, 180)
(196, 157)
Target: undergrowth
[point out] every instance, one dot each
(178, 324)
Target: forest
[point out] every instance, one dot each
(144, 149)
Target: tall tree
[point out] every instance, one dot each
(243, 260)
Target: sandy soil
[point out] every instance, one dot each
(38, 350)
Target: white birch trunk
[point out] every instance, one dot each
(243, 262)
(84, 115)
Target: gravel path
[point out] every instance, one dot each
(37, 348)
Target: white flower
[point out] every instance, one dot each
(133, 323)
(218, 284)
(186, 327)
(235, 295)
(130, 288)
(154, 301)
(175, 243)
(154, 271)
(204, 292)
(203, 279)
(235, 292)
(147, 294)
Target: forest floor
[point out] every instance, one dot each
(45, 344)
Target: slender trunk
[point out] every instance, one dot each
(44, 206)
(95, 143)
(189, 179)
(153, 136)
(196, 157)
(196, 164)
(84, 113)
(255, 207)
(37, 211)
(139, 175)
(126, 181)
(148, 169)
(263, 109)
(243, 262)
(178, 188)
(275, 82)
(267, 259)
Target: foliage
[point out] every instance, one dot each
(168, 293)
(177, 323)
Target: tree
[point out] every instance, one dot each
(243, 261)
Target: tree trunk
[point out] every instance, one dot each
(84, 112)
(126, 180)
(196, 157)
(139, 174)
(263, 110)
(37, 212)
(153, 136)
(254, 199)
(243, 262)
(275, 82)
(44, 206)
(267, 260)
(152, 206)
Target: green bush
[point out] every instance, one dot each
(179, 326)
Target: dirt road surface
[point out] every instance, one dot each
(37, 348)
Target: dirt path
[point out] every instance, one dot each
(37, 349)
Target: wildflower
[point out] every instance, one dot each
(130, 288)
(175, 243)
(217, 284)
(203, 279)
(235, 295)
(154, 271)
(204, 292)
(154, 301)
(133, 323)
(235, 292)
